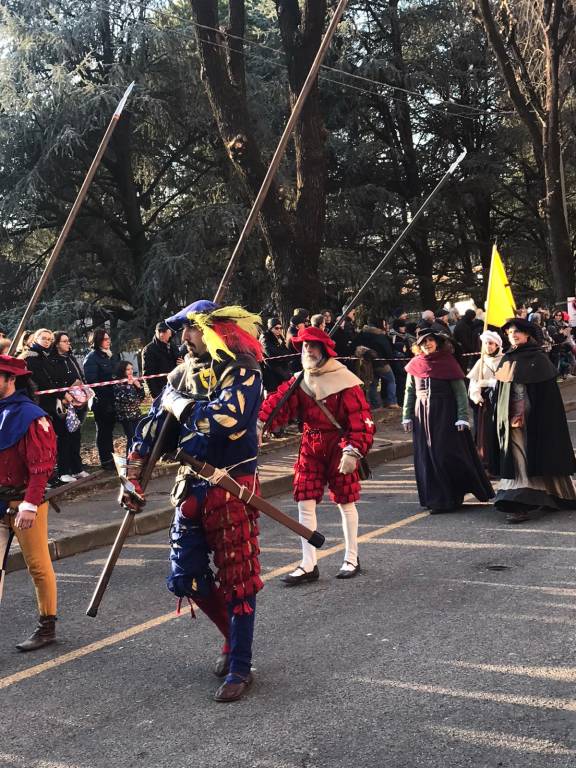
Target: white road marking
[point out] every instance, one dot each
(448, 544)
(537, 702)
(502, 740)
(561, 674)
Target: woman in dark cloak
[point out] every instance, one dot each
(534, 456)
(446, 462)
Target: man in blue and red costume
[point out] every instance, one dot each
(215, 396)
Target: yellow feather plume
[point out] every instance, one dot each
(248, 321)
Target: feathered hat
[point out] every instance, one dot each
(229, 330)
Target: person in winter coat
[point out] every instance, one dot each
(274, 372)
(50, 371)
(69, 459)
(534, 458)
(446, 462)
(100, 365)
(346, 339)
(161, 355)
(374, 336)
(402, 341)
(465, 334)
(127, 399)
(300, 319)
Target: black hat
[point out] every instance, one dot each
(522, 325)
(424, 333)
(273, 321)
(300, 316)
(442, 313)
(161, 326)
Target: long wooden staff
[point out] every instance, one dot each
(70, 220)
(168, 425)
(354, 301)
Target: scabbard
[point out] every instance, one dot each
(210, 473)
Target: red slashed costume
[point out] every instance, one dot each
(328, 454)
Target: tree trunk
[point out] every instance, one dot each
(293, 238)
(542, 119)
(412, 181)
(561, 256)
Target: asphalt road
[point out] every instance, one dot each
(429, 658)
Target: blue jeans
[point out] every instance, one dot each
(388, 389)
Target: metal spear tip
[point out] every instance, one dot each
(458, 160)
(124, 99)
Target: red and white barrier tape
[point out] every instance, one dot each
(266, 359)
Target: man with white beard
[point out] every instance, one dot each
(337, 432)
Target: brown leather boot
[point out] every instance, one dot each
(44, 634)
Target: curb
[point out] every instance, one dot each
(151, 522)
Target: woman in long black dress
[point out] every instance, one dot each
(535, 458)
(446, 462)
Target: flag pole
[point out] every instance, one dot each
(71, 218)
(489, 287)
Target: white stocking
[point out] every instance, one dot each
(307, 516)
(350, 526)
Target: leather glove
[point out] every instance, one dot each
(134, 467)
(407, 425)
(25, 516)
(348, 463)
(176, 403)
(131, 496)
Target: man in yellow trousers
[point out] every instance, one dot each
(27, 459)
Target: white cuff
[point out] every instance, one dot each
(462, 423)
(26, 506)
(352, 451)
(406, 421)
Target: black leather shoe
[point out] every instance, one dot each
(345, 574)
(235, 690)
(222, 666)
(517, 517)
(301, 578)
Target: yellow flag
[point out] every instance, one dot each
(500, 304)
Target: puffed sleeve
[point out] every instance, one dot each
(360, 428)
(38, 449)
(287, 413)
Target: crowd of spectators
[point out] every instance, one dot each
(376, 350)
(54, 366)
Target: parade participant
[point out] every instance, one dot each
(214, 396)
(338, 431)
(446, 462)
(482, 393)
(27, 459)
(535, 457)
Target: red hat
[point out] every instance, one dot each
(315, 334)
(13, 365)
